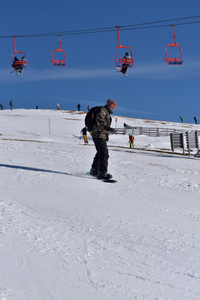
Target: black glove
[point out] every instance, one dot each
(113, 131)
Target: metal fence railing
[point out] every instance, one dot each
(149, 131)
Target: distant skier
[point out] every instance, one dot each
(58, 106)
(131, 141)
(181, 119)
(195, 120)
(11, 104)
(100, 133)
(84, 132)
(79, 107)
(1, 106)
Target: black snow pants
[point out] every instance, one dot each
(100, 162)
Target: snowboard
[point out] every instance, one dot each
(103, 180)
(108, 180)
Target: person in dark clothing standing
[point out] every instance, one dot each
(100, 133)
(195, 120)
(79, 107)
(11, 104)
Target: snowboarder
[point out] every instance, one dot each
(84, 132)
(131, 141)
(100, 133)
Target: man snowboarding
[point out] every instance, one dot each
(100, 132)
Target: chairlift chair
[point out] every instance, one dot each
(55, 61)
(173, 60)
(119, 62)
(18, 59)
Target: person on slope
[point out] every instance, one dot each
(131, 141)
(85, 138)
(100, 133)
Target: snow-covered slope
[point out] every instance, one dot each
(65, 235)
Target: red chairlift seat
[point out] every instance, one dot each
(173, 60)
(56, 61)
(19, 60)
(121, 62)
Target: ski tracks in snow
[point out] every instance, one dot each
(118, 245)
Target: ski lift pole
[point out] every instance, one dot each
(174, 34)
(14, 45)
(119, 45)
(59, 42)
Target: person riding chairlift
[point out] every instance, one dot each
(17, 68)
(126, 64)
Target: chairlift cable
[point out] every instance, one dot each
(109, 29)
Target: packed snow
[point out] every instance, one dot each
(66, 235)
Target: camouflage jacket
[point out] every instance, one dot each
(101, 129)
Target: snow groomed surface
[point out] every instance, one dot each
(65, 237)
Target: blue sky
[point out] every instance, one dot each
(152, 90)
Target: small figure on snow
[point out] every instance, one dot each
(131, 141)
(195, 120)
(84, 132)
(79, 107)
(11, 104)
(181, 119)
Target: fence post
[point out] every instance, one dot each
(49, 121)
(182, 135)
(197, 139)
(177, 141)
(172, 141)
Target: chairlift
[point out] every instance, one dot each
(120, 62)
(18, 59)
(173, 60)
(55, 61)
